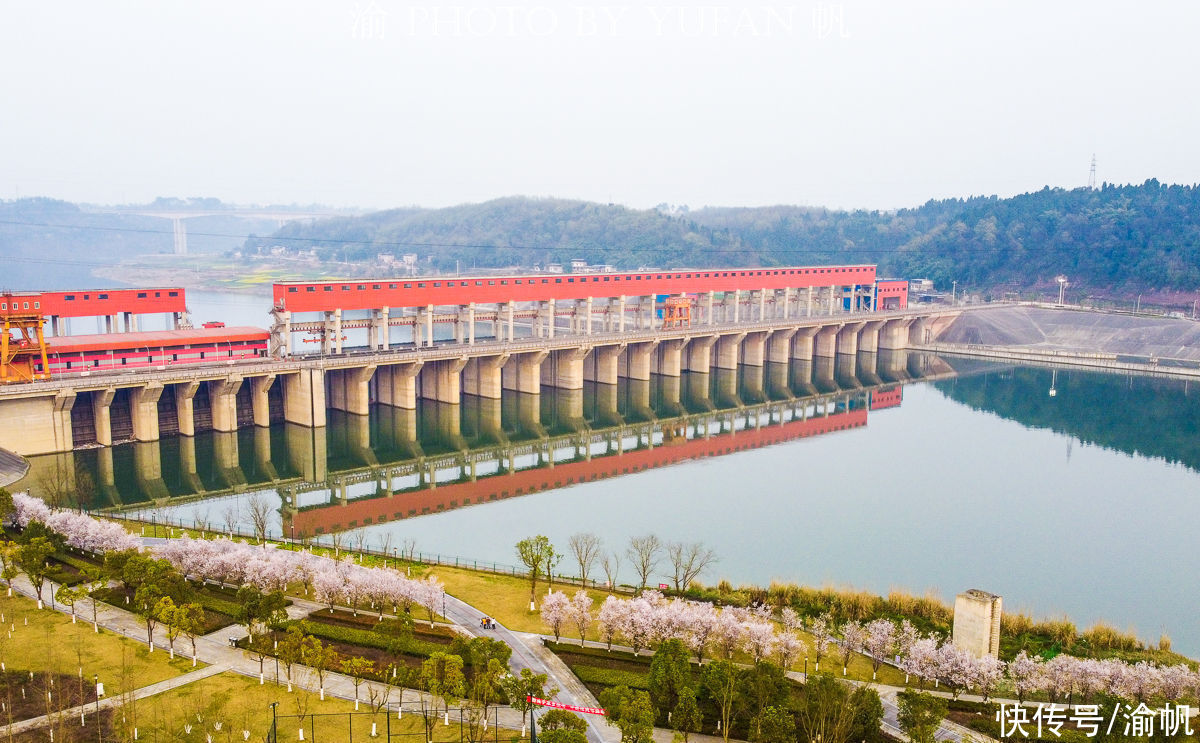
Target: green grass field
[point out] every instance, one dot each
(51, 642)
(239, 703)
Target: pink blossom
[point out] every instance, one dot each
(581, 613)
(788, 647)
(612, 618)
(555, 610)
(728, 631)
(758, 638)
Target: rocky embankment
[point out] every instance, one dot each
(1077, 331)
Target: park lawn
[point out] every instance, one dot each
(505, 598)
(51, 642)
(831, 662)
(241, 703)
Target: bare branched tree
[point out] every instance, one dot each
(408, 548)
(644, 552)
(231, 515)
(55, 485)
(385, 542)
(260, 510)
(360, 540)
(610, 563)
(586, 548)
(377, 697)
(688, 561)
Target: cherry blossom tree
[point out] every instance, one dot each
(986, 672)
(611, 619)
(555, 610)
(758, 639)
(1174, 681)
(1142, 681)
(639, 623)
(790, 619)
(921, 661)
(905, 637)
(78, 530)
(581, 613)
(853, 637)
(822, 635)
(1026, 675)
(880, 639)
(727, 632)
(431, 592)
(956, 667)
(1059, 675)
(788, 647)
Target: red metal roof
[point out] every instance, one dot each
(361, 294)
(96, 302)
(153, 339)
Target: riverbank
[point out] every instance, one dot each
(1072, 336)
(1147, 365)
(13, 467)
(218, 273)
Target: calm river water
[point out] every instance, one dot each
(1083, 502)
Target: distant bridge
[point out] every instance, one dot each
(179, 216)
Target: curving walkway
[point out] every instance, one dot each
(529, 652)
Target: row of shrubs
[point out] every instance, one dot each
(405, 644)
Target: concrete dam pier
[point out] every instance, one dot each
(66, 413)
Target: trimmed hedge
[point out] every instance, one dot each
(367, 639)
(367, 620)
(611, 677)
(79, 563)
(561, 648)
(216, 604)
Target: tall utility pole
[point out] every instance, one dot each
(1092, 176)
(953, 291)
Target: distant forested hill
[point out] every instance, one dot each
(1118, 238)
(517, 231)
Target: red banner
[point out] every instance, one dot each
(570, 707)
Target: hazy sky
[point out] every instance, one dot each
(383, 103)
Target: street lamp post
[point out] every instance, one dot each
(96, 687)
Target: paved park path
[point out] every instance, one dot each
(528, 651)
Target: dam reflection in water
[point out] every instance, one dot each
(398, 463)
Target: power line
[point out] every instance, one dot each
(478, 246)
